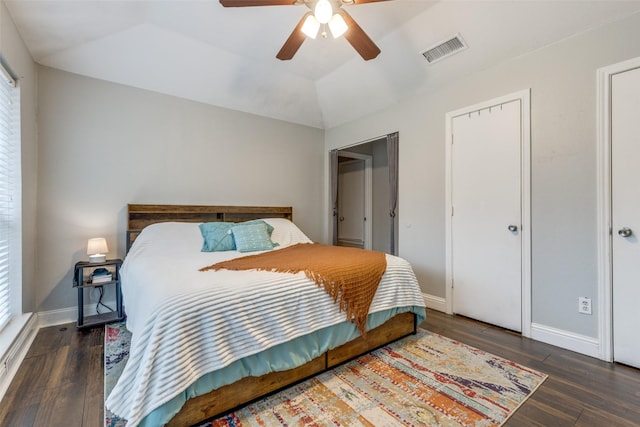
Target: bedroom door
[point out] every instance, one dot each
(485, 267)
(354, 200)
(625, 215)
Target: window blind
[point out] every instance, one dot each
(10, 222)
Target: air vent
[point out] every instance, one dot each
(444, 49)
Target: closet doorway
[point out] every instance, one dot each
(364, 194)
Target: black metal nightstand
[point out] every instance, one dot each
(80, 282)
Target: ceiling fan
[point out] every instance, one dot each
(322, 13)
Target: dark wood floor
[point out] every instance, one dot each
(580, 390)
(60, 381)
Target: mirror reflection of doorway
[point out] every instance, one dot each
(346, 178)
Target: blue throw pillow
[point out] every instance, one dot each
(259, 221)
(217, 237)
(253, 236)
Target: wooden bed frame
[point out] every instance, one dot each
(139, 216)
(248, 389)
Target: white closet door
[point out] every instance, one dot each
(625, 214)
(486, 221)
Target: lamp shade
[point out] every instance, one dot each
(338, 26)
(97, 249)
(311, 26)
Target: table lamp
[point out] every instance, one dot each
(97, 249)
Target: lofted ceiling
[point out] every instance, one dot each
(200, 50)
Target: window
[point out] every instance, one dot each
(10, 199)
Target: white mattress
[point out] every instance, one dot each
(186, 323)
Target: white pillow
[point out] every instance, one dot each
(285, 232)
(168, 237)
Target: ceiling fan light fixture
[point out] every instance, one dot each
(311, 27)
(338, 26)
(320, 15)
(323, 11)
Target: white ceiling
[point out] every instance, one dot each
(199, 50)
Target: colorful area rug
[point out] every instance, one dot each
(425, 379)
(116, 353)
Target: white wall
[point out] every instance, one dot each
(562, 78)
(15, 53)
(104, 145)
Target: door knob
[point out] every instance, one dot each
(513, 228)
(341, 218)
(625, 232)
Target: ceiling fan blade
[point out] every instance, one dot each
(294, 41)
(242, 3)
(358, 38)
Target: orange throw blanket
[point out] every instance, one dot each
(349, 275)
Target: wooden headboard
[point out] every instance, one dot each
(139, 216)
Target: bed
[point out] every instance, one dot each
(204, 343)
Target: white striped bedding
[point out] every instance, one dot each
(186, 323)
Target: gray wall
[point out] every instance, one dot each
(15, 53)
(562, 78)
(103, 145)
(381, 224)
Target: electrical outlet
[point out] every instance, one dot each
(584, 305)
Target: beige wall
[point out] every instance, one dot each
(562, 78)
(104, 145)
(15, 53)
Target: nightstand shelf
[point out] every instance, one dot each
(82, 281)
(100, 319)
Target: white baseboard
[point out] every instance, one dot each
(23, 330)
(435, 303)
(69, 314)
(558, 337)
(565, 339)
